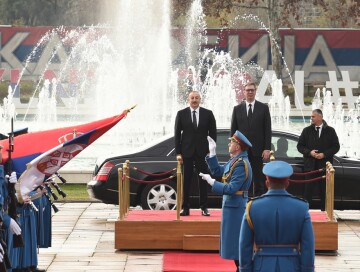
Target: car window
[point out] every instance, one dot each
(284, 147)
(222, 142)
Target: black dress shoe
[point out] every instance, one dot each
(205, 212)
(185, 212)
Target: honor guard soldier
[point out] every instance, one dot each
(9, 227)
(27, 255)
(236, 180)
(276, 232)
(43, 221)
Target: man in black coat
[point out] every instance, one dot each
(252, 118)
(318, 143)
(192, 126)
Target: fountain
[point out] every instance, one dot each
(47, 103)
(106, 71)
(347, 127)
(279, 106)
(7, 110)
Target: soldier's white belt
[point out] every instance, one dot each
(277, 250)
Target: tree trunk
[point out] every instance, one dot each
(275, 40)
(275, 53)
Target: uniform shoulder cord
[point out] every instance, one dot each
(246, 170)
(232, 167)
(248, 218)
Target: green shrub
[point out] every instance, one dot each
(27, 88)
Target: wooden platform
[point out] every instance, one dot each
(157, 230)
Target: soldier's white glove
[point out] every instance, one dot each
(212, 147)
(13, 178)
(207, 177)
(1, 257)
(14, 227)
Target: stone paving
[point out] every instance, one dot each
(83, 240)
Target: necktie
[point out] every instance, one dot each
(194, 119)
(250, 113)
(317, 132)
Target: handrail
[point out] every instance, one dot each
(310, 172)
(272, 156)
(307, 180)
(330, 184)
(121, 194)
(179, 188)
(152, 174)
(124, 187)
(150, 181)
(125, 180)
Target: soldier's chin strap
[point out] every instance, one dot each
(248, 218)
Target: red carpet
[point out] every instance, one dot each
(196, 262)
(166, 215)
(195, 215)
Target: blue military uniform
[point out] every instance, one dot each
(28, 253)
(276, 232)
(7, 235)
(237, 176)
(3, 197)
(43, 221)
(3, 207)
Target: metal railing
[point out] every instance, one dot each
(330, 184)
(329, 196)
(124, 187)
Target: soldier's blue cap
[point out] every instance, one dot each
(278, 169)
(239, 138)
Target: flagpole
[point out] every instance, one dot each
(18, 239)
(128, 110)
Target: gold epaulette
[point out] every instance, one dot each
(248, 218)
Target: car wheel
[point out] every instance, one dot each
(159, 196)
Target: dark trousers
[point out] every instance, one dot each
(200, 166)
(258, 184)
(237, 265)
(309, 190)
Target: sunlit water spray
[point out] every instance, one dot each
(131, 64)
(347, 126)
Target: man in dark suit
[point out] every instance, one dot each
(192, 126)
(252, 118)
(318, 143)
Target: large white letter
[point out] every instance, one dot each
(320, 47)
